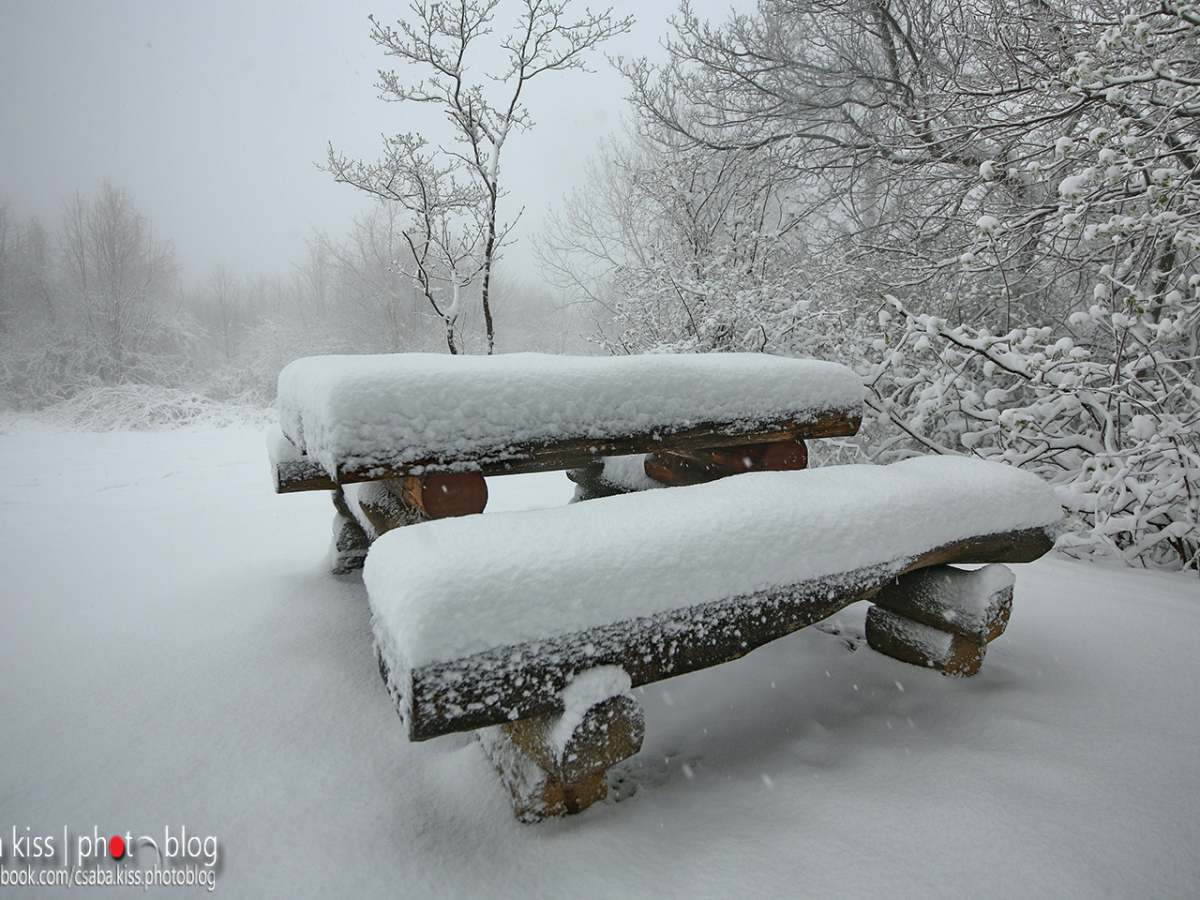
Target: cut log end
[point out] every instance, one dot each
(396, 502)
(784, 456)
(442, 496)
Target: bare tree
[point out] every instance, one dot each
(118, 278)
(10, 262)
(382, 305)
(1024, 179)
(890, 113)
(454, 192)
(679, 245)
(226, 297)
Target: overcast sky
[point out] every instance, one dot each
(214, 114)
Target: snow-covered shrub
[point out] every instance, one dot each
(1025, 178)
(138, 407)
(1117, 433)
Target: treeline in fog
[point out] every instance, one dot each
(95, 300)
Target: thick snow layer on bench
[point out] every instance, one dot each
(370, 410)
(447, 589)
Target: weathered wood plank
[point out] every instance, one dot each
(292, 476)
(511, 683)
(575, 453)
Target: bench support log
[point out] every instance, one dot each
(557, 765)
(396, 502)
(941, 617)
(974, 603)
(441, 496)
(917, 644)
(676, 468)
(590, 483)
(698, 466)
(350, 541)
(418, 498)
(383, 506)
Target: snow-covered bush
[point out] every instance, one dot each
(1026, 179)
(1117, 434)
(137, 407)
(1102, 396)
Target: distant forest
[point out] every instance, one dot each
(96, 300)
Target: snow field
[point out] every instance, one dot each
(174, 652)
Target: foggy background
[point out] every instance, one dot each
(214, 117)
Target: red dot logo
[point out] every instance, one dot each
(116, 846)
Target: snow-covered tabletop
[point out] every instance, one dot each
(455, 598)
(352, 413)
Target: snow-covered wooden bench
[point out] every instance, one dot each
(538, 623)
(419, 431)
(531, 628)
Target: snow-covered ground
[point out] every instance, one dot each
(175, 654)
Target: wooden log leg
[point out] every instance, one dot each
(678, 471)
(405, 501)
(942, 617)
(350, 541)
(397, 502)
(976, 604)
(384, 507)
(590, 483)
(919, 644)
(609, 476)
(557, 765)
